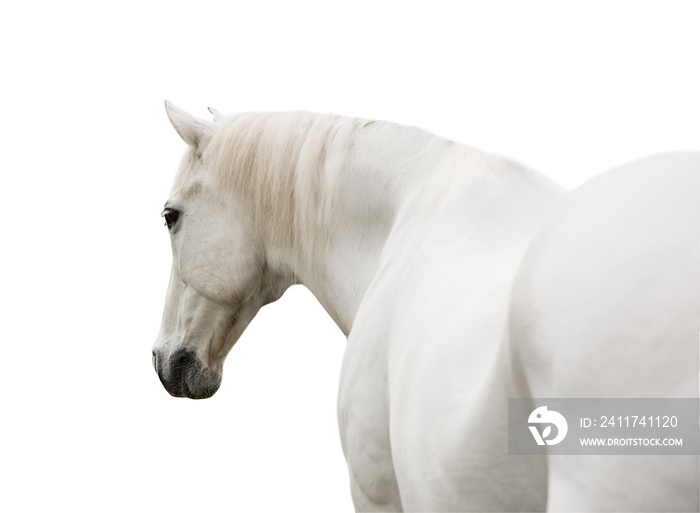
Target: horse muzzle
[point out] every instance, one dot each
(184, 375)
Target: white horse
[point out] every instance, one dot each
(460, 279)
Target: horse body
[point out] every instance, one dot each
(411, 243)
(432, 378)
(606, 305)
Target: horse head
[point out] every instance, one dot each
(219, 278)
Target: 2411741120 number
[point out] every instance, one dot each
(631, 421)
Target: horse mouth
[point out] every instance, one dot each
(184, 375)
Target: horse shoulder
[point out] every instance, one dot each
(441, 316)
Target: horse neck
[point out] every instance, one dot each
(392, 176)
(338, 251)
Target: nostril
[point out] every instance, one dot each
(154, 359)
(182, 360)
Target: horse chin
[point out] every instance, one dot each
(187, 376)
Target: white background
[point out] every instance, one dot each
(88, 157)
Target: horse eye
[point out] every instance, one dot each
(171, 216)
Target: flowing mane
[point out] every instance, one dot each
(289, 166)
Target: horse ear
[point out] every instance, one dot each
(217, 115)
(190, 128)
